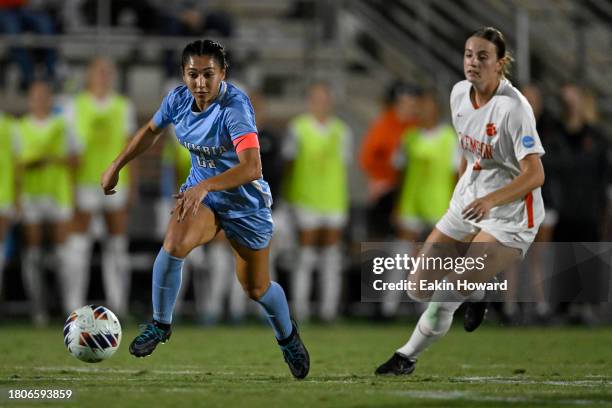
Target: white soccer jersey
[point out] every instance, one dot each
(494, 138)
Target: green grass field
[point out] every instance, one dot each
(243, 367)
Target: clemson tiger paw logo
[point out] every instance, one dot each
(491, 129)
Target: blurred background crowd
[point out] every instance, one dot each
(351, 102)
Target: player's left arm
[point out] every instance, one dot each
(247, 170)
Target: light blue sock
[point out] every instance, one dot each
(274, 303)
(166, 284)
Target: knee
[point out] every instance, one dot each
(176, 247)
(255, 292)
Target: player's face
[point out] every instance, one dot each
(429, 110)
(40, 99)
(320, 101)
(203, 75)
(101, 75)
(480, 63)
(406, 107)
(571, 97)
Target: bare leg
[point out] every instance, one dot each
(253, 271)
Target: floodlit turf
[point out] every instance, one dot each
(243, 367)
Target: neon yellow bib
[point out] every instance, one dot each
(102, 132)
(178, 158)
(7, 163)
(430, 175)
(45, 141)
(318, 180)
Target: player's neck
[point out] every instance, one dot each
(322, 118)
(40, 115)
(99, 93)
(481, 94)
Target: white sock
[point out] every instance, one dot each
(63, 273)
(75, 276)
(116, 273)
(392, 298)
(542, 308)
(302, 282)
(330, 282)
(434, 323)
(33, 280)
(510, 308)
(221, 276)
(2, 261)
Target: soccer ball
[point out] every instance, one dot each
(92, 333)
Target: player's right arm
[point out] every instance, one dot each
(144, 138)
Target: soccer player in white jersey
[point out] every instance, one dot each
(497, 201)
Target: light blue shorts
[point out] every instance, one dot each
(252, 231)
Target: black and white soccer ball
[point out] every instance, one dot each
(92, 333)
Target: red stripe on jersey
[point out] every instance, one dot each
(248, 141)
(529, 205)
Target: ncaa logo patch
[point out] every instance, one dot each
(528, 141)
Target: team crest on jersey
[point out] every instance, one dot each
(491, 129)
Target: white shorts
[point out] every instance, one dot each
(92, 199)
(309, 219)
(550, 218)
(414, 224)
(44, 209)
(454, 226)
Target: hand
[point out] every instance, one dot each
(477, 209)
(38, 164)
(109, 179)
(189, 201)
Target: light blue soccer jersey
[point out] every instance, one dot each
(208, 136)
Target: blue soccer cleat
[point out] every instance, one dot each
(150, 336)
(295, 354)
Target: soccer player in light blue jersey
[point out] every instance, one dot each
(224, 190)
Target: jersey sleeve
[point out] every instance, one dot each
(522, 130)
(240, 119)
(163, 116)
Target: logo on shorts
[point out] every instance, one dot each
(528, 141)
(491, 129)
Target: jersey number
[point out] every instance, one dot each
(204, 162)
